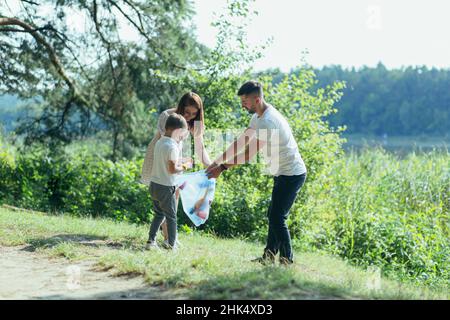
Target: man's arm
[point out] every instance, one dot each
(231, 152)
(251, 150)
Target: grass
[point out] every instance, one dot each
(205, 267)
(374, 208)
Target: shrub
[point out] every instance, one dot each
(376, 209)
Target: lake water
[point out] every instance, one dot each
(397, 144)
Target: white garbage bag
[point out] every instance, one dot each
(197, 194)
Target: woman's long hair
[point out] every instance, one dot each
(194, 100)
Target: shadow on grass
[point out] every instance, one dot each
(80, 239)
(270, 283)
(149, 293)
(276, 283)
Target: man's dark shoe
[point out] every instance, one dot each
(267, 258)
(285, 261)
(263, 261)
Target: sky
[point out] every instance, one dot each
(351, 33)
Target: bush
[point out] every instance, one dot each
(376, 209)
(372, 209)
(80, 184)
(7, 168)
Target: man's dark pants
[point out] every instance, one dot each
(285, 190)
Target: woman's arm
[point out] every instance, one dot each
(148, 160)
(159, 128)
(200, 151)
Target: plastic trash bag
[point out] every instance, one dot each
(197, 194)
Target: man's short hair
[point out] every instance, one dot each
(176, 121)
(251, 87)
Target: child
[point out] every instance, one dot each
(166, 165)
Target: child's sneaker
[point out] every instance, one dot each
(151, 245)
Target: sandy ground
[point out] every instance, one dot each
(29, 275)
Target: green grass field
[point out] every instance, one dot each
(205, 267)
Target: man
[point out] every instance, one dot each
(269, 132)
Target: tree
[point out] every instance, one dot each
(406, 101)
(93, 77)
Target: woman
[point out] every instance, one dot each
(190, 107)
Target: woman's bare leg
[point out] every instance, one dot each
(164, 231)
(164, 224)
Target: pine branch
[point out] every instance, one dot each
(143, 33)
(30, 2)
(51, 53)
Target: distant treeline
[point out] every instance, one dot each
(407, 101)
(376, 101)
(9, 112)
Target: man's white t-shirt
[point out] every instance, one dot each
(165, 149)
(281, 151)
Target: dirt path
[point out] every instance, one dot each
(29, 275)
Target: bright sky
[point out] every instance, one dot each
(346, 32)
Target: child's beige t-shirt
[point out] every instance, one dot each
(148, 160)
(165, 149)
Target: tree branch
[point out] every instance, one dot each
(106, 42)
(51, 52)
(144, 34)
(30, 2)
(132, 5)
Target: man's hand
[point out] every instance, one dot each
(211, 166)
(213, 171)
